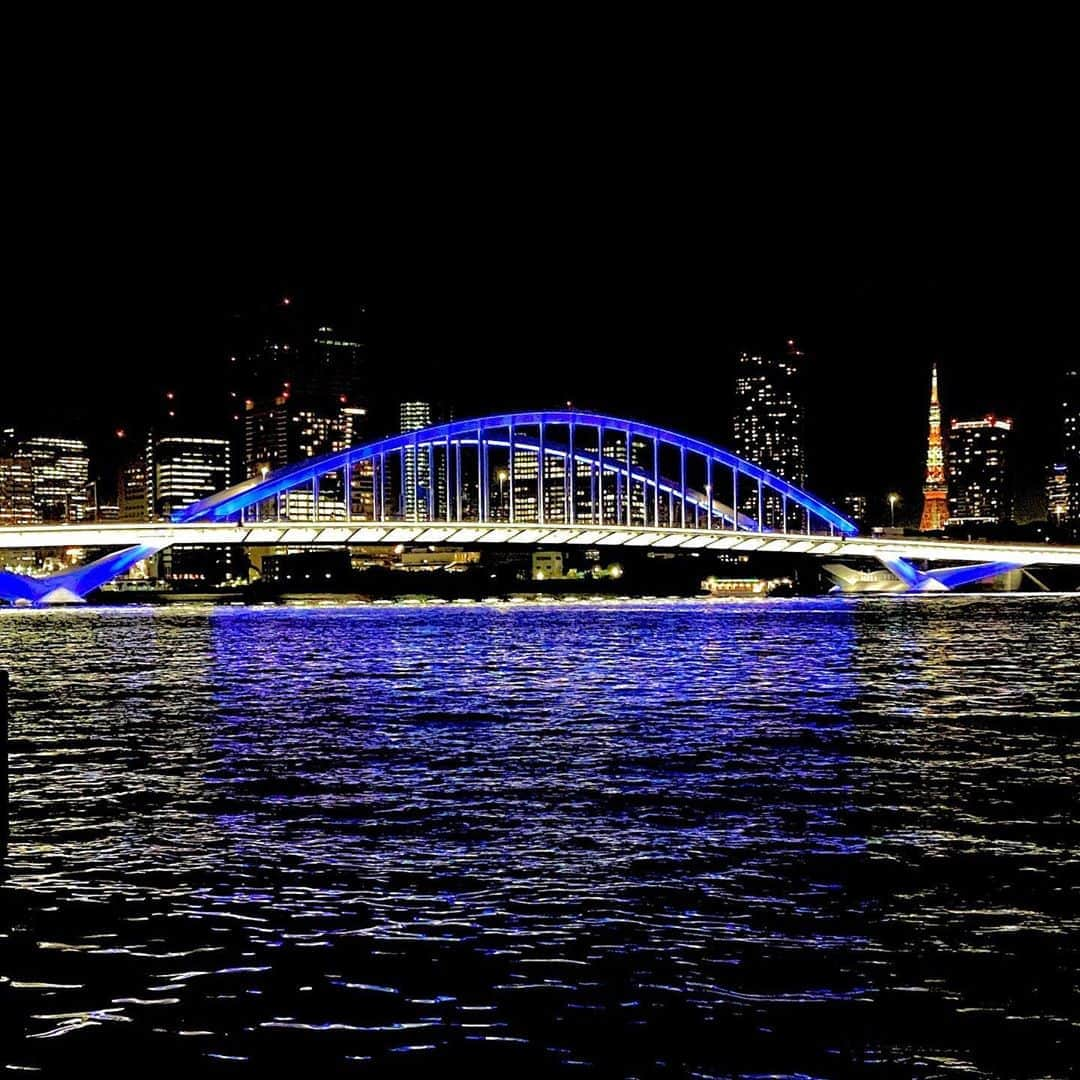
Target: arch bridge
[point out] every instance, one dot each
(556, 478)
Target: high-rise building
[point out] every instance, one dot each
(1070, 408)
(1057, 494)
(935, 488)
(132, 491)
(979, 479)
(61, 476)
(17, 491)
(415, 416)
(768, 422)
(856, 506)
(181, 470)
(296, 391)
(290, 429)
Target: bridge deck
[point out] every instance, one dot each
(473, 534)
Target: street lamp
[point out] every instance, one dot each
(893, 500)
(501, 475)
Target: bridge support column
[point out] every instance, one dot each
(513, 508)
(600, 474)
(485, 493)
(656, 481)
(449, 504)
(682, 482)
(708, 493)
(457, 476)
(540, 516)
(431, 482)
(571, 465)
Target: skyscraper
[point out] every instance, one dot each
(17, 491)
(1057, 493)
(181, 470)
(296, 390)
(415, 416)
(979, 479)
(768, 422)
(61, 477)
(132, 493)
(935, 489)
(1070, 408)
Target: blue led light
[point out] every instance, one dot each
(227, 504)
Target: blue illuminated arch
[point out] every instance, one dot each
(499, 432)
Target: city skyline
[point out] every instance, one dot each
(840, 385)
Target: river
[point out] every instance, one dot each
(825, 837)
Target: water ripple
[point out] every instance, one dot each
(799, 837)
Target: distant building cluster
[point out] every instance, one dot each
(977, 483)
(296, 388)
(968, 477)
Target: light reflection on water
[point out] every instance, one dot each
(817, 836)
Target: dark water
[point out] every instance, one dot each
(824, 838)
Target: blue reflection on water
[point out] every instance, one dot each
(728, 837)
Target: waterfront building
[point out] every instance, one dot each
(61, 477)
(547, 566)
(768, 423)
(17, 491)
(979, 477)
(935, 488)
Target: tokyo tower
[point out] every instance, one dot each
(935, 491)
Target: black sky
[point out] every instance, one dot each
(616, 255)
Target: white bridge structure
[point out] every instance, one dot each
(552, 479)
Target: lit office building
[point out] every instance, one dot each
(296, 392)
(61, 477)
(290, 429)
(768, 423)
(132, 491)
(855, 506)
(17, 491)
(181, 470)
(527, 490)
(1057, 494)
(979, 477)
(415, 416)
(1070, 408)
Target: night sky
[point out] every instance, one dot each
(617, 286)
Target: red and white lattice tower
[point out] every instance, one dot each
(935, 490)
